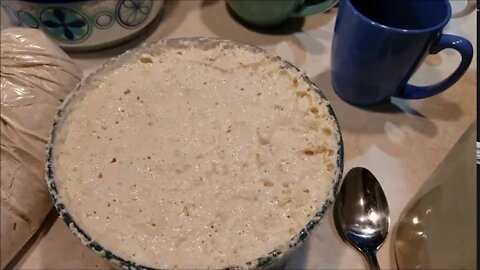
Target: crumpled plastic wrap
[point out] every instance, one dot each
(36, 76)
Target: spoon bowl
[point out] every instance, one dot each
(361, 213)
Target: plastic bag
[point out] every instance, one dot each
(36, 76)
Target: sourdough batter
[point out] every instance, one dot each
(195, 157)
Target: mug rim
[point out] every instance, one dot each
(402, 30)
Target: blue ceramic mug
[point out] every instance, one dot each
(378, 45)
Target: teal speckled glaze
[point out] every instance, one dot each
(272, 260)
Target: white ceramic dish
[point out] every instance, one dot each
(84, 25)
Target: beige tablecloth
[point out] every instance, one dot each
(401, 145)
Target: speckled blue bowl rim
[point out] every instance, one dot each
(263, 262)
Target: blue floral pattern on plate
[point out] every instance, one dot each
(65, 24)
(132, 13)
(28, 19)
(104, 20)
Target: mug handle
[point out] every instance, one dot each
(461, 45)
(305, 10)
(469, 8)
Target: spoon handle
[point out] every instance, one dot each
(372, 260)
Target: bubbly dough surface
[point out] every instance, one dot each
(195, 157)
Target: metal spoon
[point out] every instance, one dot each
(361, 213)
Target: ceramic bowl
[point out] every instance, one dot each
(84, 25)
(272, 260)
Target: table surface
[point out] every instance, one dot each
(401, 143)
